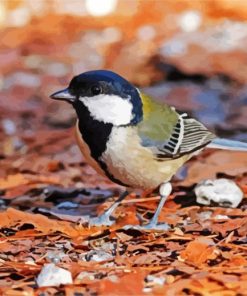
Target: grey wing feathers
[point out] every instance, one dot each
(188, 136)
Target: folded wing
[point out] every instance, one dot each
(170, 134)
(188, 136)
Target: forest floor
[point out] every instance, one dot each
(47, 189)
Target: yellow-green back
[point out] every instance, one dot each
(158, 120)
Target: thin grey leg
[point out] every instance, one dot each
(165, 190)
(104, 219)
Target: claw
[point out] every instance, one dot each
(102, 220)
(151, 226)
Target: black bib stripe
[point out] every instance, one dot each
(96, 135)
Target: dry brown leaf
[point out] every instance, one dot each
(11, 217)
(129, 284)
(197, 253)
(20, 179)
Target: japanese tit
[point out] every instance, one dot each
(131, 139)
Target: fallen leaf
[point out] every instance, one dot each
(197, 253)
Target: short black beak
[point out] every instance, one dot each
(63, 95)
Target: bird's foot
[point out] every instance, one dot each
(155, 226)
(149, 226)
(103, 220)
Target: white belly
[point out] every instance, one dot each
(134, 164)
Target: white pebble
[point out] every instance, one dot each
(156, 280)
(221, 217)
(223, 192)
(51, 275)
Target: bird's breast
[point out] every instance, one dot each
(133, 164)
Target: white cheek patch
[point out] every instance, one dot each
(109, 109)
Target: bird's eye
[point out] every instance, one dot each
(96, 90)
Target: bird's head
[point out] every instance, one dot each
(107, 96)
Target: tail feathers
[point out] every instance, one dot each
(226, 144)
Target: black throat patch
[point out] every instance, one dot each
(96, 135)
(94, 132)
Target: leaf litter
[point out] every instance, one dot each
(47, 188)
(41, 222)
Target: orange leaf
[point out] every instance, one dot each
(197, 252)
(11, 217)
(20, 179)
(13, 181)
(130, 284)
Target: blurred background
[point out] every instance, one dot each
(191, 54)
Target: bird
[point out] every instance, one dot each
(132, 139)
